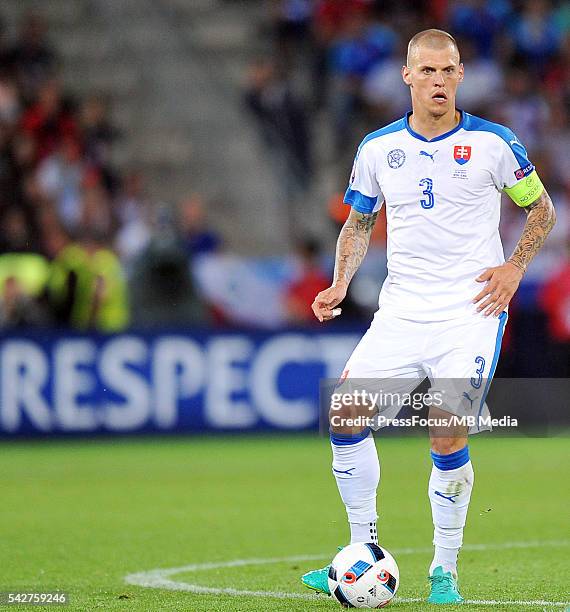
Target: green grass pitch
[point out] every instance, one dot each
(80, 516)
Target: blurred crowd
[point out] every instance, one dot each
(82, 245)
(57, 195)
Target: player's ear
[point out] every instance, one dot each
(406, 75)
(461, 72)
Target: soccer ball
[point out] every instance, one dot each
(363, 576)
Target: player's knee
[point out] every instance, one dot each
(447, 446)
(341, 419)
(350, 419)
(446, 437)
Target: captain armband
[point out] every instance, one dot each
(526, 191)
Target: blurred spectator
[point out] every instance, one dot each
(522, 107)
(556, 141)
(292, 25)
(282, 118)
(133, 213)
(23, 278)
(3, 42)
(10, 105)
(15, 233)
(161, 286)
(96, 210)
(98, 135)
(363, 44)
(331, 15)
(479, 21)
(49, 121)
(555, 300)
(562, 17)
(31, 59)
(23, 153)
(60, 177)
(8, 178)
(536, 34)
(329, 18)
(557, 77)
(310, 280)
(17, 308)
(384, 90)
(483, 82)
(87, 289)
(20, 230)
(54, 236)
(197, 237)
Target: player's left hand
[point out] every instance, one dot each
(502, 283)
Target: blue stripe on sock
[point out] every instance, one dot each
(451, 462)
(347, 439)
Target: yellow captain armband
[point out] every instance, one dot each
(526, 190)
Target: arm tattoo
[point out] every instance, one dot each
(352, 245)
(540, 220)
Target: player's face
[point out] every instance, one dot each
(433, 77)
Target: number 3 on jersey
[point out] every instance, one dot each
(428, 184)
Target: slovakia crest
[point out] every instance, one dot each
(461, 154)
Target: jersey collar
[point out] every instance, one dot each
(441, 136)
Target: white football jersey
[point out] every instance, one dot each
(442, 200)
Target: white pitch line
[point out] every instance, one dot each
(159, 578)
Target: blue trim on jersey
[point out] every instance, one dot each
(502, 322)
(451, 462)
(441, 137)
(358, 201)
(395, 126)
(477, 124)
(348, 439)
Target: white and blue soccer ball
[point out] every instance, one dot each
(363, 576)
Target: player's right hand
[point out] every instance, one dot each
(326, 300)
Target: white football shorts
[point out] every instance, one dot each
(458, 356)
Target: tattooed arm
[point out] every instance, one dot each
(351, 248)
(540, 220)
(503, 281)
(352, 245)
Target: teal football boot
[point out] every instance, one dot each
(318, 580)
(443, 588)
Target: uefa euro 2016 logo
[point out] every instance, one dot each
(396, 158)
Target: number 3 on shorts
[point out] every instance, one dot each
(476, 382)
(428, 184)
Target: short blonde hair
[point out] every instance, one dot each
(436, 39)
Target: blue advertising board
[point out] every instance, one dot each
(53, 383)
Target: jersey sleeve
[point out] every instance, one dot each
(516, 174)
(364, 193)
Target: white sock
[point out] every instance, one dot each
(357, 472)
(449, 494)
(363, 532)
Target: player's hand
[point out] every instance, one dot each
(326, 300)
(501, 284)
